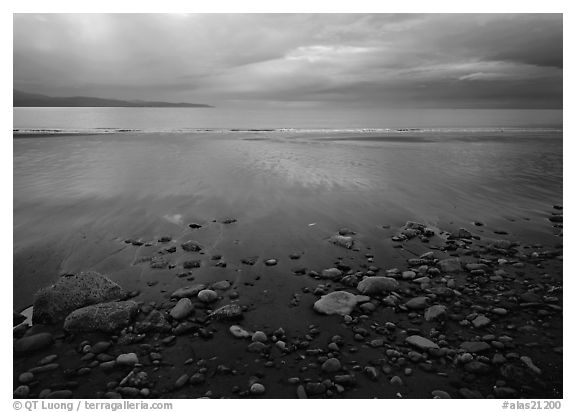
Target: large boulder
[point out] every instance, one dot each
(53, 303)
(338, 303)
(105, 317)
(377, 284)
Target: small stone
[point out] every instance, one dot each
(438, 394)
(181, 381)
(222, 285)
(528, 362)
(301, 392)
(207, 296)
(194, 226)
(26, 377)
(238, 332)
(421, 343)
(21, 391)
(183, 309)
(259, 336)
(419, 302)
(33, 343)
(342, 241)
(101, 347)
(339, 302)
(331, 273)
(435, 312)
(331, 365)
(127, 359)
(314, 388)
(270, 262)
(191, 246)
(475, 347)
(396, 380)
(257, 389)
(481, 321)
(197, 379)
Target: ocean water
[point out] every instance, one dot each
(78, 196)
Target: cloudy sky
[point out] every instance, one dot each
(396, 61)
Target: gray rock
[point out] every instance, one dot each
(207, 296)
(227, 312)
(417, 303)
(105, 317)
(26, 377)
(33, 343)
(222, 285)
(239, 332)
(259, 336)
(127, 359)
(377, 284)
(421, 342)
(435, 312)
(71, 292)
(191, 246)
(257, 389)
(342, 241)
(301, 392)
(188, 291)
(339, 303)
(61, 394)
(475, 347)
(438, 394)
(181, 381)
(480, 321)
(183, 309)
(331, 365)
(450, 265)
(21, 391)
(331, 273)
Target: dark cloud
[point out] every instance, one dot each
(408, 60)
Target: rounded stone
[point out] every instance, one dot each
(257, 389)
(207, 296)
(332, 365)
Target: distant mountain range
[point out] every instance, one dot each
(22, 99)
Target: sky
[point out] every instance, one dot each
(454, 61)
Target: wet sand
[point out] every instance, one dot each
(101, 203)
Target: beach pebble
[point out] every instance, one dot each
(238, 332)
(396, 380)
(435, 312)
(207, 296)
(127, 359)
(421, 342)
(331, 365)
(270, 262)
(438, 394)
(26, 377)
(33, 343)
(183, 308)
(419, 302)
(480, 321)
(191, 246)
(181, 381)
(259, 336)
(339, 302)
(257, 389)
(377, 284)
(21, 391)
(222, 285)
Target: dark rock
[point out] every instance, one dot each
(249, 260)
(188, 291)
(71, 292)
(377, 284)
(342, 241)
(183, 309)
(339, 302)
(191, 264)
(475, 347)
(33, 343)
(105, 317)
(194, 226)
(191, 246)
(227, 312)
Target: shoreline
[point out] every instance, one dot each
(480, 335)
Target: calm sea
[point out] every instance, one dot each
(78, 196)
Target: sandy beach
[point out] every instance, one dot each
(466, 303)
